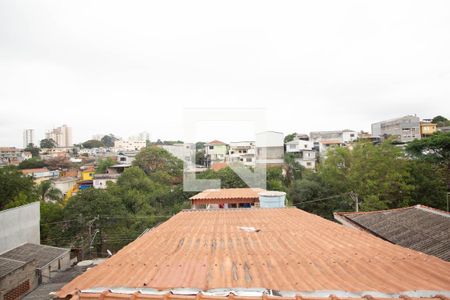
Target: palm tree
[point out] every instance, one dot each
(47, 191)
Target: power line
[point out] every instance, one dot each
(321, 199)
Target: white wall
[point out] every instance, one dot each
(19, 225)
(269, 139)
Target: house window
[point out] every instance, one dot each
(244, 151)
(211, 147)
(249, 160)
(308, 164)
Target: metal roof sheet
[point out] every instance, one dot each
(418, 227)
(41, 253)
(292, 250)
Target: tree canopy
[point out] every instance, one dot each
(93, 144)
(48, 143)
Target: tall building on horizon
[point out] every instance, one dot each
(61, 135)
(28, 137)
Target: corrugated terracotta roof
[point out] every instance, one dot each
(418, 227)
(292, 250)
(236, 193)
(36, 170)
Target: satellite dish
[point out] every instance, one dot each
(109, 252)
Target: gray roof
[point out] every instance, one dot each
(418, 227)
(9, 265)
(41, 253)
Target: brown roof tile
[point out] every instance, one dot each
(293, 250)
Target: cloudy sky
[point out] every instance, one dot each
(131, 66)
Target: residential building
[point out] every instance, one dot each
(101, 180)
(49, 259)
(126, 158)
(61, 135)
(64, 184)
(344, 136)
(28, 137)
(215, 151)
(404, 129)
(260, 253)
(226, 198)
(419, 227)
(304, 152)
(129, 145)
(40, 174)
(269, 148)
(427, 128)
(17, 278)
(242, 152)
(12, 155)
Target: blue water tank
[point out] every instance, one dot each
(272, 199)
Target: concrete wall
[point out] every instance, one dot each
(19, 276)
(19, 225)
(59, 264)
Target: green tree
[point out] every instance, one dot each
(104, 164)
(32, 163)
(290, 137)
(34, 150)
(52, 216)
(228, 178)
(15, 188)
(47, 191)
(108, 140)
(293, 170)
(93, 144)
(159, 164)
(275, 179)
(441, 121)
(376, 173)
(48, 143)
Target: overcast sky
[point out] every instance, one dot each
(131, 66)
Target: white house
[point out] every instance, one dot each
(100, 180)
(215, 151)
(303, 151)
(242, 152)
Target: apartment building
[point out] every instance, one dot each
(404, 129)
(28, 137)
(242, 152)
(61, 135)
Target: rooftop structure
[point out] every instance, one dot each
(42, 254)
(418, 227)
(211, 254)
(231, 197)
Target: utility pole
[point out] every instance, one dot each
(90, 223)
(354, 197)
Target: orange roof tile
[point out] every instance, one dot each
(293, 250)
(31, 171)
(219, 166)
(221, 194)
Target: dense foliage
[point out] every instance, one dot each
(374, 176)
